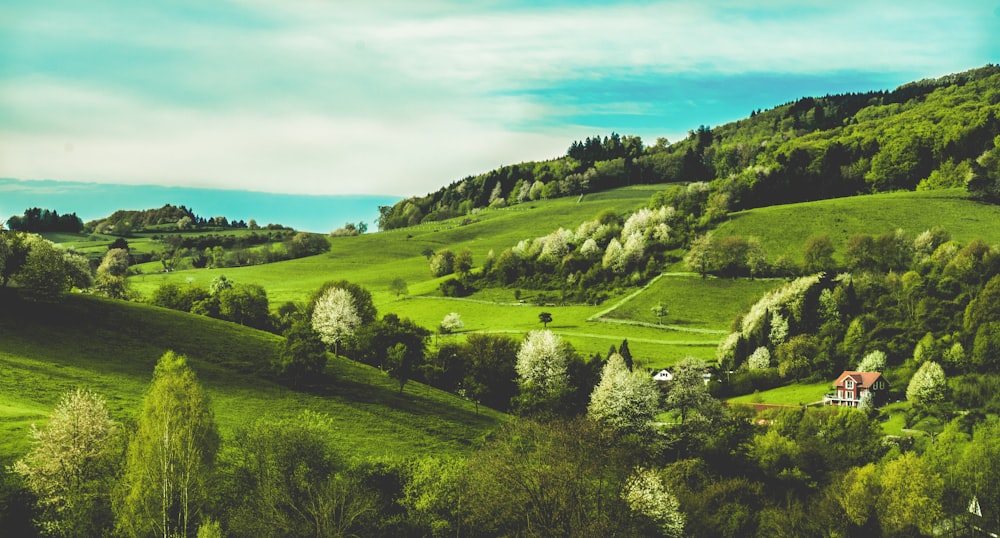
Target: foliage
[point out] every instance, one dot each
(623, 400)
(292, 482)
(645, 494)
(245, 304)
(303, 355)
(335, 316)
(759, 359)
(928, 385)
(111, 281)
(43, 275)
(37, 220)
(872, 362)
(491, 378)
(542, 371)
(451, 323)
(442, 263)
(171, 457)
(398, 286)
(71, 466)
(909, 498)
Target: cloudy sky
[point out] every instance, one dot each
(402, 97)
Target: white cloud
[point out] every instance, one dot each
(401, 97)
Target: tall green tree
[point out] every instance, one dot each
(817, 255)
(111, 274)
(43, 275)
(290, 481)
(171, 457)
(71, 466)
(303, 355)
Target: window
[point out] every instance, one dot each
(850, 395)
(850, 384)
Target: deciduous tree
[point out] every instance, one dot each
(645, 494)
(451, 323)
(623, 400)
(303, 355)
(928, 385)
(170, 461)
(111, 281)
(43, 275)
(71, 466)
(335, 317)
(542, 374)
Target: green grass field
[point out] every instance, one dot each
(797, 394)
(374, 260)
(111, 348)
(783, 230)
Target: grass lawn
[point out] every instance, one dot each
(896, 419)
(795, 394)
(111, 348)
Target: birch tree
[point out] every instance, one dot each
(170, 458)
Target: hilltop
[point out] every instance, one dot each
(927, 133)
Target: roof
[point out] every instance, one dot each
(864, 379)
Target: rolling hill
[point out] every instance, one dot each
(111, 347)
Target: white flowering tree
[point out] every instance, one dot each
(335, 317)
(614, 257)
(759, 359)
(928, 384)
(451, 323)
(645, 494)
(624, 400)
(872, 362)
(542, 369)
(70, 468)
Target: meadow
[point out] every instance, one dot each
(784, 229)
(111, 347)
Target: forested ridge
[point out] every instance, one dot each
(924, 134)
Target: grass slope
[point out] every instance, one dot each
(111, 348)
(783, 230)
(373, 260)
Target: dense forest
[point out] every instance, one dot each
(925, 134)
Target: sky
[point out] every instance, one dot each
(401, 98)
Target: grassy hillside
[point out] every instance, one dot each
(373, 260)
(783, 229)
(699, 310)
(111, 348)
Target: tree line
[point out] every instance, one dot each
(928, 134)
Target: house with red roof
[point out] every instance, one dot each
(851, 386)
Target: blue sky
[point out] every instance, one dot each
(401, 98)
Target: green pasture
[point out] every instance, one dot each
(783, 230)
(797, 394)
(692, 302)
(111, 348)
(652, 347)
(374, 260)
